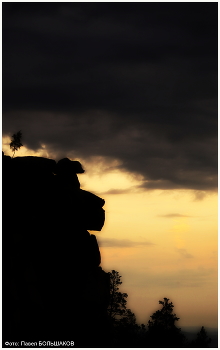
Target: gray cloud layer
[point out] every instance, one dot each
(184, 253)
(135, 82)
(119, 243)
(174, 215)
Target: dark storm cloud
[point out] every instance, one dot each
(135, 82)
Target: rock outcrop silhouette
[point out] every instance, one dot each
(53, 285)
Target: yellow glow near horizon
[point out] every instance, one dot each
(162, 242)
(180, 264)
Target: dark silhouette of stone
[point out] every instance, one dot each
(66, 171)
(53, 285)
(68, 167)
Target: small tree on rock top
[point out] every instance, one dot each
(15, 143)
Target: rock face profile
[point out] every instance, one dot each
(54, 288)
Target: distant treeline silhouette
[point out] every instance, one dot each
(160, 332)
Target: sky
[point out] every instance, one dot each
(129, 90)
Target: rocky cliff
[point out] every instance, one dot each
(53, 285)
